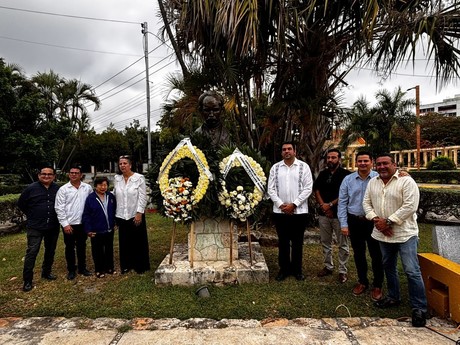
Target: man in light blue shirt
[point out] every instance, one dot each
(354, 224)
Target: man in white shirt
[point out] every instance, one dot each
(289, 186)
(69, 205)
(391, 202)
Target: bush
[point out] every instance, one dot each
(441, 163)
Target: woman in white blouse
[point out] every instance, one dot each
(130, 193)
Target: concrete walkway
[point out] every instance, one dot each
(103, 331)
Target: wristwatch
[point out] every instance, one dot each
(389, 222)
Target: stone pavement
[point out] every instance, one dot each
(104, 331)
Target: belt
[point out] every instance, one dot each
(354, 216)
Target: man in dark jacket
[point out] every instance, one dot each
(37, 202)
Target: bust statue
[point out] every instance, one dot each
(211, 107)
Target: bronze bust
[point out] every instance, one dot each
(211, 107)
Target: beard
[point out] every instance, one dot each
(332, 166)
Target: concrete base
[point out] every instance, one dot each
(213, 272)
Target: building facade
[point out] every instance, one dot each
(449, 106)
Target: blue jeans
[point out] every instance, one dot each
(408, 254)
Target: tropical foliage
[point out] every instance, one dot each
(378, 125)
(291, 58)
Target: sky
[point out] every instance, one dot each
(107, 52)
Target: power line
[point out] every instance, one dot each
(65, 47)
(70, 16)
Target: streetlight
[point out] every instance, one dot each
(417, 125)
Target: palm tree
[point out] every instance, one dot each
(377, 125)
(49, 84)
(300, 52)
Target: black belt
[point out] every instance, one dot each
(354, 216)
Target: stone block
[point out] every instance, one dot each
(446, 241)
(211, 240)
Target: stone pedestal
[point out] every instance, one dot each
(211, 241)
(213, 272)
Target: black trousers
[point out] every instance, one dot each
(290, 230)
(360, 230)
(134, 245)
(102, 251)
(75, 240)
(34, 240)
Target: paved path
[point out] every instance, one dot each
(103, 331)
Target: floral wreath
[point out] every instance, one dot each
(182, 150)
(239, 203)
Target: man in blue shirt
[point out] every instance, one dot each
(37, 202)
(354, 224)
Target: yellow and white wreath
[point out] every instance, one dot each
(185, 149)
(239, 203)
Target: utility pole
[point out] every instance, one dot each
(417, 125)
(147, 90)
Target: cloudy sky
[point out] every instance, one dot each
(106, 51)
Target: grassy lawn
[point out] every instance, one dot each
(132, 295)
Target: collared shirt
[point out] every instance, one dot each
(351, 196)
(131, 195)
(397, 200)
(290, 184)
(70, 202)
(328, 186)
(37, 202)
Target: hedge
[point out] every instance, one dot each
(436, 176)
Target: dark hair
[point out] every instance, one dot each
(364, 153)
(47, 167)
(214, 94)
(334, 150)
(386, 155)
(75, 166)
(288, 142)
(100, 180)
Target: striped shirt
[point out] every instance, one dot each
(290, 184)
(397, 200)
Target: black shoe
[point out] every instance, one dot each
(27, 286)
(280, 277)
(387, 302)
(71, 275)
(300, 277)
(49, 276)
(418, 318)
(85, 273)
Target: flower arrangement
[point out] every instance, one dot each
(178, 199)
(240, 203)
(179, 195)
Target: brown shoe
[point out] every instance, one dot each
(343, 277)
(324, 272)
(376, 294)
(359, 289)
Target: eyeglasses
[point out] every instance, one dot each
(44, 174)
(125, 157)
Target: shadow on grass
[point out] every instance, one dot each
(133, 295)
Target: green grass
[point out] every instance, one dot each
(132, 295)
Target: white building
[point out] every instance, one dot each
(449, 106)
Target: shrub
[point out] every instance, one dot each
(441, 163)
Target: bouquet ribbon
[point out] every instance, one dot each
(196, 158)
(246, 166)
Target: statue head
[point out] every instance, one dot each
(211, 106)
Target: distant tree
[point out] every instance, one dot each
(439, 130)
(27, 139)
(378, 125)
